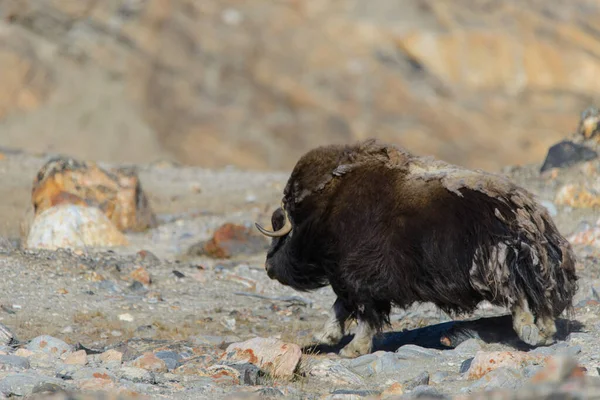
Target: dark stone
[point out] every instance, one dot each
(178, 274)
(250, 374)
(147, 257)
(360, 393)
(14, 361)
(171, 359)
(426, 392)
(47, 388)
(137, 286)
(565, 154)
(420, 380)
(87, 350)
(25, 384)
(269, 393)
(109, 286)
(464, 367)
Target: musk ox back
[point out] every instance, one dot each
(384, 227)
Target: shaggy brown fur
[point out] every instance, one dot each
(384, 228)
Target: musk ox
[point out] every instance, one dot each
(386, 228)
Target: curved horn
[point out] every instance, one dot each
(285, 229)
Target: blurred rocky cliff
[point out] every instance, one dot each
(256, 83)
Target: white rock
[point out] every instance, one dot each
(126, 317)
(49, 345)
(332, 372)
(73, 226)
(274, 356)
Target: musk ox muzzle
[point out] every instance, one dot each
(269, 270)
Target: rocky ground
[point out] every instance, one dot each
(151, 321)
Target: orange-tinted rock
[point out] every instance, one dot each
(141, 275)
(111, 356)
(147, 257)
(150, 362)
(559, 369)
(196, 367)
(118, 193)
(587, 237)
(24, 353)
(230, 240)
(223, 375)
(485, 362)
(577, 196)
(395, 389)
(95, 384)
(125, 394)
(94, 276)
(589, 124)
(76, 358)
(278, 358)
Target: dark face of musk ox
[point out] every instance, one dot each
(278, 221)
(295, 257)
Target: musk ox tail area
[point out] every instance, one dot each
(522, 256)
(524, 259)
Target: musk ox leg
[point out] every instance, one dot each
(361, 343)
(334, 328)
(547, 326)
(531, 332)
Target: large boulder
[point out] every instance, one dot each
(117, 193)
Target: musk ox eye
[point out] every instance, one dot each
(278, 219)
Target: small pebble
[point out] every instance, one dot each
(505, 378)
(76, 358)
(465, 365)
(135, 374)
(93, 373)
(49, 345)
(25, 384)
(24, 353)
(67, 329)
(424, 391)
(531, 370)
(411, 351)
(111, 356)
(229, 323)
(170, 358)
(439, 376)
(420, 380)
(11, 361)
(348, 394)
(332, 372)
(467, 348)
(178, 274)
(126, 317)
(250, 374)
(149, 361)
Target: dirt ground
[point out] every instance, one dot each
(90, 297)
